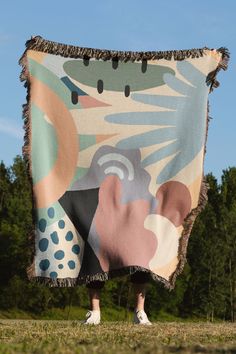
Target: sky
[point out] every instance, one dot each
(125, 25)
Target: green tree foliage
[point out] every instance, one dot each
(228, 230)
(205, 288)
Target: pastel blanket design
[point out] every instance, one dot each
(114, 145)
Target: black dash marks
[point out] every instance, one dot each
(100, 86)
(127, 90)
(86, 60)
(144, 65)
(115, 62)
(74, 97)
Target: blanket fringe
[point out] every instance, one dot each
(203, 196)
(104, 276)
(223, 64)
(38, 43)
(66, 50)
(26, 115)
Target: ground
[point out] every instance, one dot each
(52, 336)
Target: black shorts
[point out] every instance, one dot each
(139, 277)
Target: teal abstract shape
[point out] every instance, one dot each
(43, 140)
(86, 140)
(127, 73)
(188, 120)
(72, 87)
(80, 172)
(42, 213)
(53, 82)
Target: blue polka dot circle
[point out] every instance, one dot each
(51, 212)
(43, 244)
(53, 274)
(59, 254)
(42, 225)
(44, 264)
(69, 236)
(61, 224)
(71, 264)
(54, 237)
(76, 249)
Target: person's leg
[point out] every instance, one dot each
(94, 290)
(139, 279)
(93, 316)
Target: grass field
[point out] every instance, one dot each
(69, 336)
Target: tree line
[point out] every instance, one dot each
(205, 288)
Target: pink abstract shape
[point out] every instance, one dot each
(174, 201)
(89, 102)
(51, 187)
(123, 240)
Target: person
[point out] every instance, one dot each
(139, 280)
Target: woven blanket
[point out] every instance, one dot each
(114, 146)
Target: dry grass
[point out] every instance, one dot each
(42, 336)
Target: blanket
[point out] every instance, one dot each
(114, 146)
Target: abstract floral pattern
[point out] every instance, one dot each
(116, 157)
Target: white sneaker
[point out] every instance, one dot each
(92, 317)
(140, 317)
